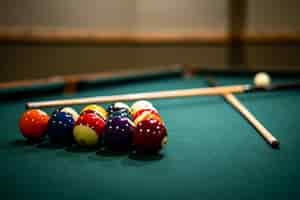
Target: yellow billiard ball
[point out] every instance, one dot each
(88, 129)
(85, 136)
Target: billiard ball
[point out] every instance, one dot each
(118, 106)
(122, 112)
(148, 114)
(118, 133)
(141, 104)
(140, 111)
(150, 136)
(95, 108)
(262, 79)
(33, 124)
(71, 111)
(88, 129)
(60, 127)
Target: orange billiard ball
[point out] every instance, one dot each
(33, 124)
(147, 114)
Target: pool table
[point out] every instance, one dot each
(212, 151)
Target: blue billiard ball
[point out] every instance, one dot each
(60, 127)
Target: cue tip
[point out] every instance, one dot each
(275, 144)
(28, 106)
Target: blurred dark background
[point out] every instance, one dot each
(48, 38)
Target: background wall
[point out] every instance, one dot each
(27, 61)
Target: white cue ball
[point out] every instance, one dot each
(262, 79)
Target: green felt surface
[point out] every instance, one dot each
(213, 153)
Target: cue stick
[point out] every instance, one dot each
(139, 96)
(163, 94)
(265, 133)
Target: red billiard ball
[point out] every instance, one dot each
(94, 108)
(150, 136)
(33, 124)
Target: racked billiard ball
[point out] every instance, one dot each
(88, 129)
(150, 136)
(140, 111)
(141, 104)
(60, 127)
(118, 133)
(95, 108)
(71, 111)
(122, 113)
(33, 124)
(147, 114)
(118, 106)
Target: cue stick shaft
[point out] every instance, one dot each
(138, 96)
(265, 133)
(230, 98)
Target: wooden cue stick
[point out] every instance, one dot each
(265, 133)
(147, 95)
